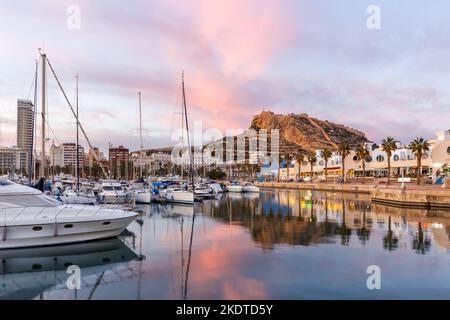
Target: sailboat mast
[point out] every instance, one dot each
(191, 173)
(44, 62)
(140, 134)
(78, 142)
(31, 154)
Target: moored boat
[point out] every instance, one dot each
(29, 218)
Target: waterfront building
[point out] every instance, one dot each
(403, 161)
(91, 158)
(25, 129)
(12, 160)
(65, 156)
(119, 160)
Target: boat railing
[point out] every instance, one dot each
(14, 212)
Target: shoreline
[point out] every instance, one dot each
(412, 197)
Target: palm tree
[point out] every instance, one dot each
(343, 151)
(326, 155)
(362, 153)
(389, 145)
(419, 146)
(312, 159)
(299, 158)
(280, 159)
(288, 159)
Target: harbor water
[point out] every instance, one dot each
(276, 244)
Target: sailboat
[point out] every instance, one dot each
(141, 195)
(178, 194)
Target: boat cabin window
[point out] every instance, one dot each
(111, 188)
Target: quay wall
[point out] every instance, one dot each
(428, 198)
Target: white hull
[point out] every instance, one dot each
(251, 189)
(235, 188)
(184, 197)
(143, 196)
(80, 232)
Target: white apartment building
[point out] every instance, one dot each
(66, 155)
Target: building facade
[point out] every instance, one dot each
(119, 159)
(12, 160)
(65, 155)
(25, 129)
(403, 162)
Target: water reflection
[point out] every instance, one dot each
(281, 244)
(26, 273)
(304, 218)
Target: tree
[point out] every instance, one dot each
(299, 158)
(326, 155)
(419, 146)
(389, 145)
(343, 151)
(312, 159)
(362, 153)
(287, 159)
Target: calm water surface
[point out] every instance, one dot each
(278, 244)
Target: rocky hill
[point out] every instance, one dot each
(299, 132)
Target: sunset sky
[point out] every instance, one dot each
(239, 57)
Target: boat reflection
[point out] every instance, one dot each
(27, 273)
(308, 218)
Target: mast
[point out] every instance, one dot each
(44, 62)
(191, 173)
(140, 134)
(31, 155)
(77, 169)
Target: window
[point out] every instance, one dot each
(368, 159)
(380, 158)
(355, 158)
(448, 150)
(37, 228)
(396, 157)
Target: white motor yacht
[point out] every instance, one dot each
(29, 218)
(202, 191)
(71, 197)
(250, 187)
(112, 192)
(143, 196)
(177, 195)
(235, 187)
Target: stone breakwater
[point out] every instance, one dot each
(428, 198)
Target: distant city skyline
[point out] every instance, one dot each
(239, 58)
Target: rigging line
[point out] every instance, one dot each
(79, 123)
(31, 86)
(53, 133)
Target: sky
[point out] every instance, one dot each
(240, 57)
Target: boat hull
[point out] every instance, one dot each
(235, 189)
(21, 236)
(143, 197)
(250, 189)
